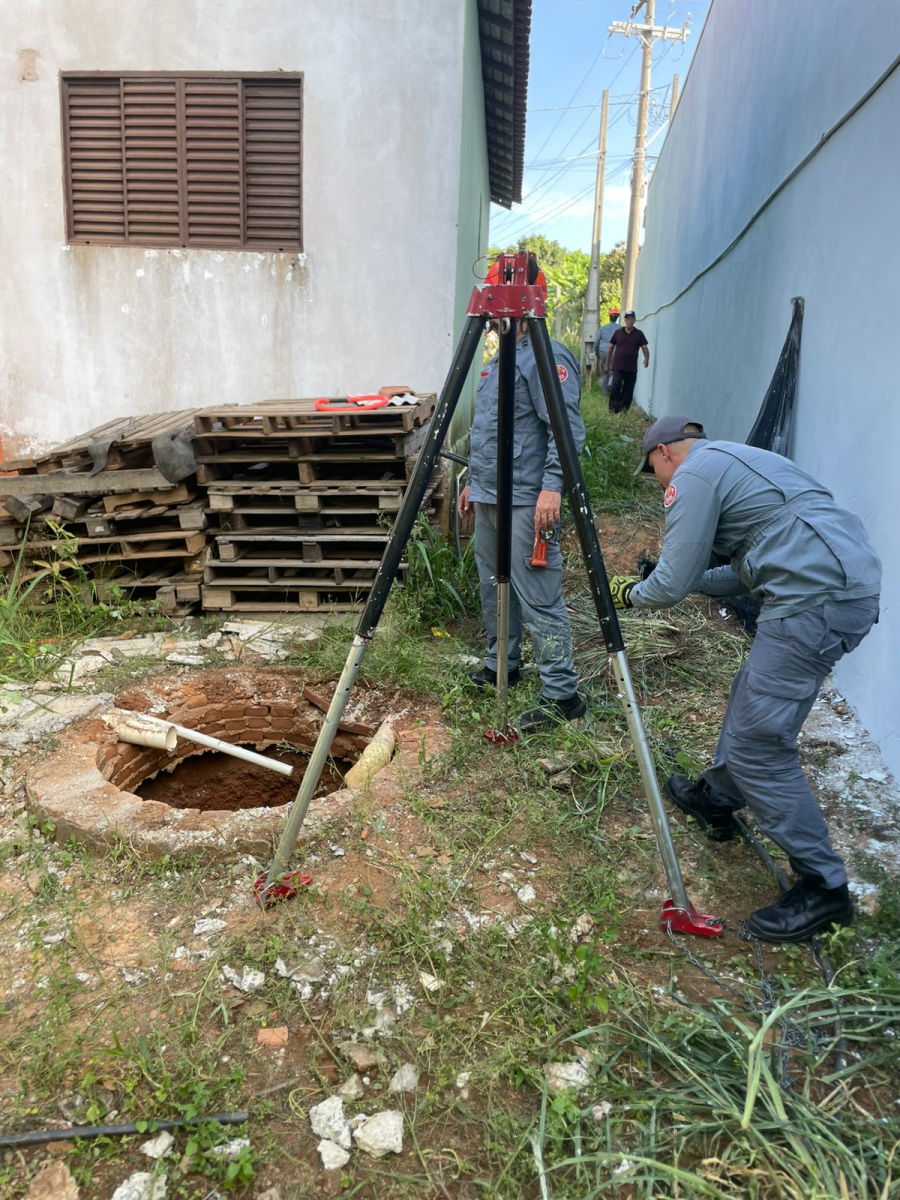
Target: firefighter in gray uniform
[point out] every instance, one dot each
(810, 566)
(536, 593)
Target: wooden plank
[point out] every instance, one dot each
(64, 483)
(174, 494)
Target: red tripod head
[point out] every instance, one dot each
(515, 287)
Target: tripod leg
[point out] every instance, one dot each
(506, 415)
(387, 570)
(609, 624)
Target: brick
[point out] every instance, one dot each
(196, 702)
(257, 710)
(232, 711)
(284, 710)
(258, 722)
(281, 723)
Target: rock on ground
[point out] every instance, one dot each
(159, 1146)
(275, 1036)
(53, 1182)
(141, 1186)
(250, 980)
(362, 1057)
(328, 1121)
(405, 1080)
(332, 1155)
(562, 1075)
(352, 1089)
(381, 1134)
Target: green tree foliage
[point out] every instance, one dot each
(567, 279)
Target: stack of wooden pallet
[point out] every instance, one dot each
(102, 501)
(301, 501)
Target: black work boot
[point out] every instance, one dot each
(551, 712)
(697, 799)
(805, 910)
(485, 675)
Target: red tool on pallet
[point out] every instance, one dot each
(511, 292)
(351, 404)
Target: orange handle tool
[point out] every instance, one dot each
(351, 404)
(539, 550)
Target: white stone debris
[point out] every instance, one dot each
(231, 1150)
(526, 894)
(248, 981)
(381, 1134)
(363, 1058)
(601, 1111)
(526, 857)
(159, 1146)
(462, 1084)
(141, 1186)
(404, 1080)
(186, 660)
(430, 983)
(328, 1121)
(583, 928)
(563, 1075)
(353, 1089)
(333, 1156)
(207, 925)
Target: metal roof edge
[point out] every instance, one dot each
(504, 28)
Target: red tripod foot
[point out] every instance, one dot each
(688, 920)
(501, 737)
(269, 893)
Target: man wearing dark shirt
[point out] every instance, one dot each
(626, 343)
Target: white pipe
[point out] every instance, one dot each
(376, 756)
(142, 730)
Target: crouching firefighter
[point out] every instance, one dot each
(536, 598)
(810, 566)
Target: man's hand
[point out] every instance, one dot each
(464, 508)
(620, 588)
(547, 512)
(646, 361)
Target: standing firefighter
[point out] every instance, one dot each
(536, 595)
(810, 566)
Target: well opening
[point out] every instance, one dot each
(213, 781)
(206, 780)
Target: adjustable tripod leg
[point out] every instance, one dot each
(506, 415)
(368, 622)
(679, 911)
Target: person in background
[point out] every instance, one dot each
(625, 344)
(601, 341)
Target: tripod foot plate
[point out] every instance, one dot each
(502, 737)
(688, 920)
(269, 892)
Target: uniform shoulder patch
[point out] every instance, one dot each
(562, 373)
(669, 498)
(485, 373)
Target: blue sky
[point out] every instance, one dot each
(572, 61)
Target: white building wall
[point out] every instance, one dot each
(90, 332)
(767, 81)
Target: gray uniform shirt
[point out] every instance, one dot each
(536, 461)
(791, 547)
(603, 338)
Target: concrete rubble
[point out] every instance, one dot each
(53, 1181)
(380, 1134)
(404, 1080)
(332, 1155)
(159, 1146)
(328, 1121)
(564, 1075)
(141, 1186)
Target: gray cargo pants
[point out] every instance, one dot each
(757, 761)
(535, 598)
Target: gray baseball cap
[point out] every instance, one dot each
(665, 430)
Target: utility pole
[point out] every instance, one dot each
(673, 102)
(648, 33)
(592, 299)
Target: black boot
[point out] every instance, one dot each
(551, 712)
(697, 799)
(484, 676)
(806, 909)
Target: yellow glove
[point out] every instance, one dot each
(620, 588)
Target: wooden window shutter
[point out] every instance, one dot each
(272, 163)
(191, 160)
(93, 135)
(152, 177)
(213, 158)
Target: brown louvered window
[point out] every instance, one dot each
(183, 160)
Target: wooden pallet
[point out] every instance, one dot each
(270, 572)
(131, 438)
(274, 418)
(339, 497)
(281, 600)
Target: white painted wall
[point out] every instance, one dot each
(767, 80)
(92, 332)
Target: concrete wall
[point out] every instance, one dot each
(767, 80)
(92, 332)
(474, 206)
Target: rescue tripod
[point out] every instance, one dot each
(512, 298)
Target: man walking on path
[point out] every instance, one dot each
(810, 566)
(536, 594)
(601, 341)
(625, 344)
